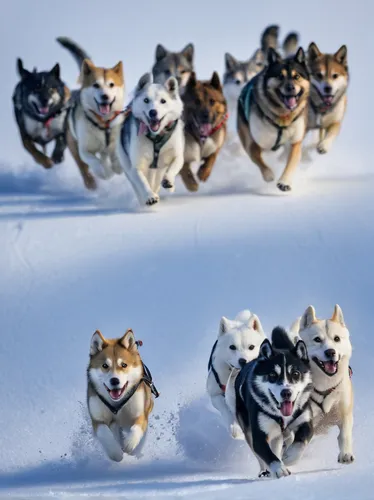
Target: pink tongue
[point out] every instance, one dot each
(155, 126)
(286, 408)
(44, 111)
(115, 393)
(330, 367)
(328, 100)
(104, 109)
(205, 129)
(290, 102)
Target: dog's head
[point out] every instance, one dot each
(327, 341)
(329, 75)
(44, 90)
(115, 365)
(239, 340)
(103, 89)
(177, 64)
(238, 73)
(282, 379)
(205, 104)
(286, 82)
(157, 105)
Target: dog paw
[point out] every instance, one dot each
(264, 473)
(47, 162)
(90, 182)
(283, 186)
(345, 458)
(115, 455)
(267, 174)
(57, 157)
(152, 200)
(167, 184)
(322, 147)
(279, 470)
(236, 431)
(132, 439)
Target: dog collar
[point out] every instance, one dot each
(215, 129)
(103, 125)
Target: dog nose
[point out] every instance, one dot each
(328, 89)
(242, 362)
(104, 97)
(330, 353)
(205, 115)
(286, 394)
(152, 113)
(238, 82)
(114, 381)
(290, 87)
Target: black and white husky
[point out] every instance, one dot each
(272, 403)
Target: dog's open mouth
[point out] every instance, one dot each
(286, 408)
(105, 107)
(328, 100)
(205, 129)
(41, 110)
(328, 367)
(116, 394)
(290, 101)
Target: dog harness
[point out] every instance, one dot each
(146, 379)
(103, 125)
(158, 140)
(246, 99)
(194, 128)
(213, 370)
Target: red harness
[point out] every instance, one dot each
(220, 125)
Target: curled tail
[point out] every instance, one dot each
(269, 38)
(75, 50)
(291, 44)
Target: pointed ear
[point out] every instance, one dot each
(23, 73)
(118, 69)
(337, 315)
(189, 52)
(308, 318)
(161, 52)
(313, 52)
(273, 56)
(192, 80)
(215, 81)
(300, 56)
(341, 55)
(128, 340)
(266, 351)
(171, 85)
(301, 351)
(255, 324)
(145, 80)
(230, 62)
(224, 326)
(98, 342)
(259, 57)
(55, 71)
(87, 67)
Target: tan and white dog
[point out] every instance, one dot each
(119, 394)
(329, 349)
(96, 117)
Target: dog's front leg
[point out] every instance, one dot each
(219, 404)
(206, 168)
(133, 437)
(108, 442)
(345, 439)
(92, 161)
(168, 182)
(284, 183)
(88, 178)
(294, 452)
(140, 183)
(58, 151)
(331, 132)
(38, 156)
(188, 178)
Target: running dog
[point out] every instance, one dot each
(119, 394)
(177, 64)
(238, 343)
(205, 113)
(330, 350)
(328, 93)
(272, 403)
(272, 111)
(96, 117)
(151, 143)
(40, 107)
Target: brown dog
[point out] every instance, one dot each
(205, 114)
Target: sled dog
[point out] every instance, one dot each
(330, 350)
(272, 403)
(119, 393)
(95, 117)
(151, 142)
(238, 343)
(40, 107)
(177, 64)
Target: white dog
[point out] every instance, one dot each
(151, 143)
(238, 343)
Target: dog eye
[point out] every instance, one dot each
(295, 376)
(272, 377)
(111, 85)
(124, 365)
(296, 77)
(183, 71)
(96, 85)
(336, 339)
(232, 347)
(105, 366)
(335, 76)
(317, 339)
(146, 100)
(212, 102)
(197, 102)
(163, 101)
(251, 347)
(319, 76)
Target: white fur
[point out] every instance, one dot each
(109, 443)
(265, 134)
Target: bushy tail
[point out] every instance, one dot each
(75, 50)
(291, 44)
(281, 340)
(244, 316)
(269, 38)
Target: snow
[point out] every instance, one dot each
(72, 262)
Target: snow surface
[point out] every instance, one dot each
(71, 262)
